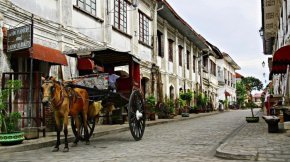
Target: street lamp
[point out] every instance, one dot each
(261, 31)
(263, 64)
(264, 74)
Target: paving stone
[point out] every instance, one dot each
(188, 140)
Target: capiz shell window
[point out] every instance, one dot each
(143, 28)
(120, 15)
(88, 6)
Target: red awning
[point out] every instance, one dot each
(85, 64)
(227, 93)
(47, 54)
(281, 59)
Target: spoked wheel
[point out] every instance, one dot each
(91, 123)
(136, 115)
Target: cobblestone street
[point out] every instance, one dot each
(189, 140)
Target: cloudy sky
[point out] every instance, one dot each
(231, 25)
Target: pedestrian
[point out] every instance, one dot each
(112, 79)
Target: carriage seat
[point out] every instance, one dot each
(123, 84)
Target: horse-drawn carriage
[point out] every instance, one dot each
(126, 94)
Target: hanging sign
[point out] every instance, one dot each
(19, 38)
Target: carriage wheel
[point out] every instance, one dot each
(91, 123)
(136, 115)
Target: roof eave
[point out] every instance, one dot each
(177, 22)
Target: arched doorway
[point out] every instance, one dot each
(144, 86)
(171, 92)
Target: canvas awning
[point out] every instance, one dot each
(47, 54)
(281, 59)
(227, 93)
(42, 53)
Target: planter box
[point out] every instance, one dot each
(252, 119)
(185, 114)
(11, 138)
(31, 132)
(272, 122)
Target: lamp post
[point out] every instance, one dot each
(263, 64)
(264, 74)
(261, 31)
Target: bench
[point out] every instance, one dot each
(272, 122)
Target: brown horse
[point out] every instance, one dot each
(65, 101)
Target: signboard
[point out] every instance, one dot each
(19, 38)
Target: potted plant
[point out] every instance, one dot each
(252, 83)
(150, 103)
(10, 133)
(180, 106)
(253, 118)
(166, 109)
(186, 96)
(194, 109)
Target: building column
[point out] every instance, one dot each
(166, 77)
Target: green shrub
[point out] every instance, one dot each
(8, 120)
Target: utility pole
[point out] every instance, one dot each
(31, 77)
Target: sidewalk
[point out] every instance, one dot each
(253, 142)
(100, 130)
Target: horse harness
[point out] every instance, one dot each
(71, 94)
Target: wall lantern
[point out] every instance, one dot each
(135, 3)
(261, 31)
(263, 64)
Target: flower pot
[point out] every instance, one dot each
(152, 116)
(11, 138)
(252, 119)
(31, 132)
(185, 114)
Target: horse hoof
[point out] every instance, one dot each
(55, 149)
(65, 150)
(74, 145)
(87, 142)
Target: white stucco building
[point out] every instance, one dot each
(227, 78)
(173, 56)
(63, 25)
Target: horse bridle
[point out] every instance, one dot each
(52, 92)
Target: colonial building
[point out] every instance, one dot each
(186, 60)
(173, 57)
(58, 27)
(227, 78)
(275, 35)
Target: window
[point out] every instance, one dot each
(88, 6)
(120, 15)
(170, 50)
(187, 59)
(212, 68)
(193, 63)
(180, 55)
(143, 28)
(160, 42)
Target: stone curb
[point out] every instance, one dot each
(51, 142)
(242, 155)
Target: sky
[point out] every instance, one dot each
(231, 25)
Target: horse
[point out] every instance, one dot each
(66, 101)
